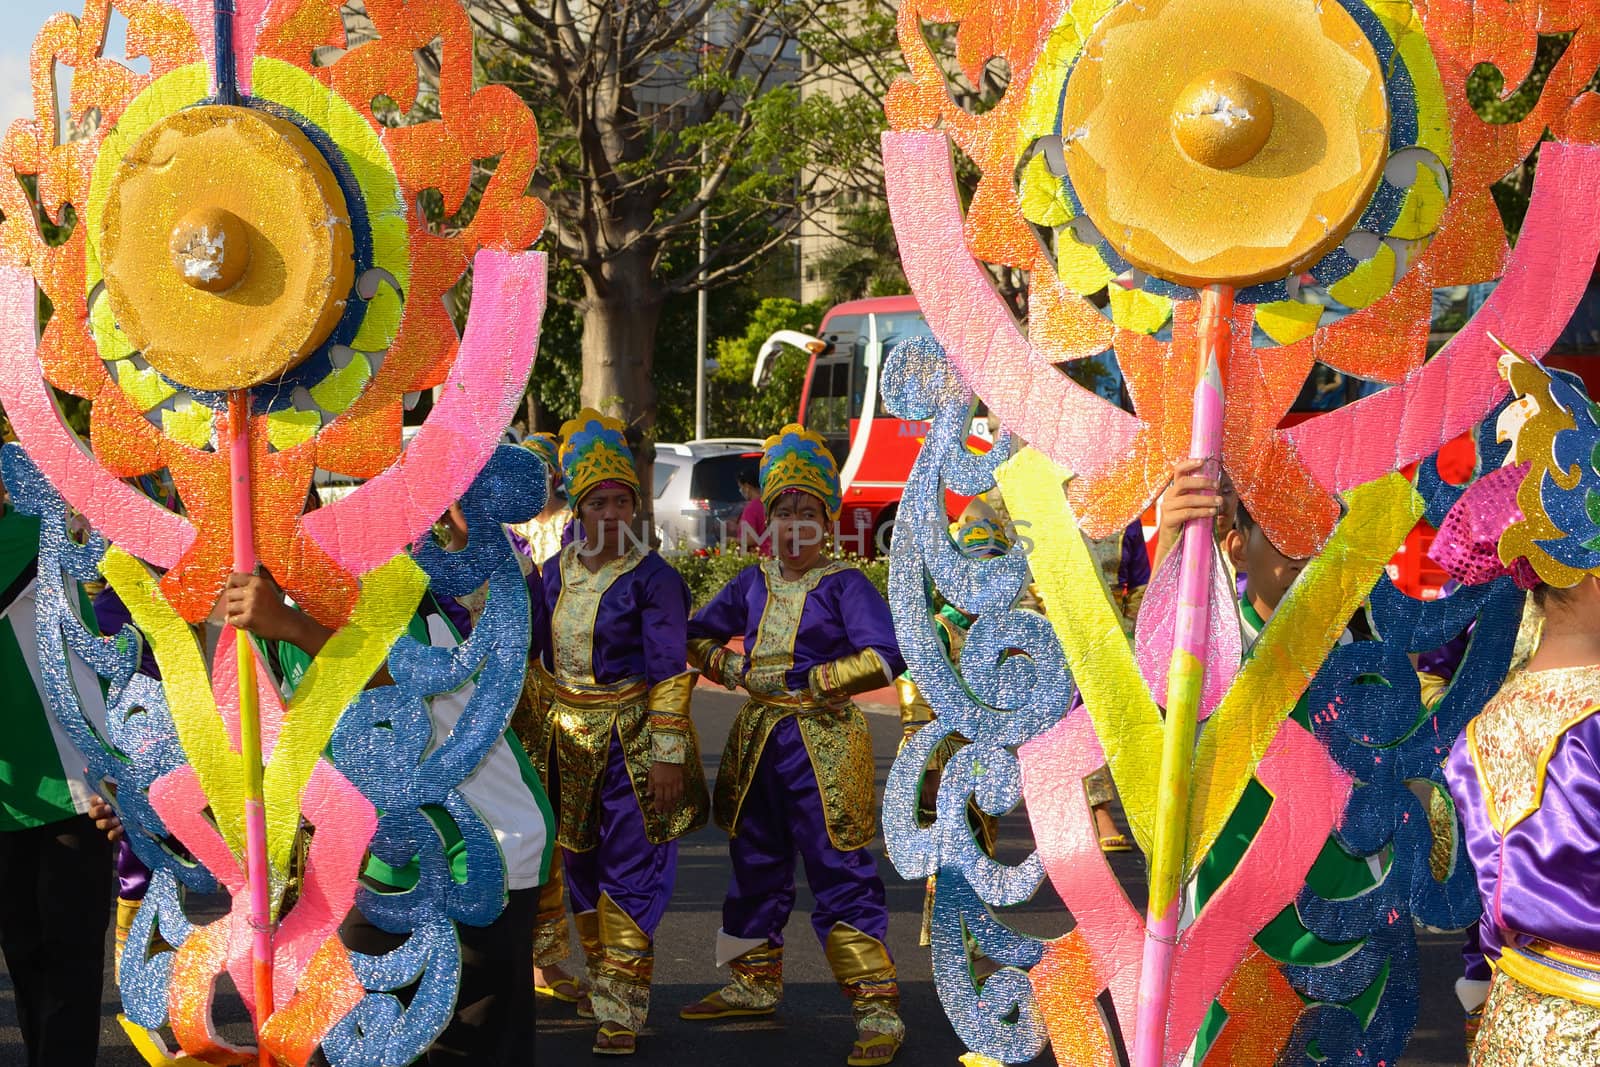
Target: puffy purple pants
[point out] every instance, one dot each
(638, 876)
(782, 814)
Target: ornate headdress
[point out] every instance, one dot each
(1554, 429)
(593, 451)
(1533, 518)
(796, 459)
(547, 446)
(980, 532)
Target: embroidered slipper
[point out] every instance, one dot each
(614, 1039)
(1115, 843)
(873, 1050)
(566, 989)
(714, 1007)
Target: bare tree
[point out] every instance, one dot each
(656, 115)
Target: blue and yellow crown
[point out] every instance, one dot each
(548, 448)
(594, 450)
(980, 538)
(1553, 427)
(798, 459)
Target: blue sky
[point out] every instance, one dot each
(20, 21)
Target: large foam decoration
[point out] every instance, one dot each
(176, 781)
(248, 292)
(386, 745)
(1224, 174)
(362, 351)
(1049, 197)
(1007, 696)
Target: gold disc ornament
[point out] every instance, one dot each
(226, 246)
(1225, 141)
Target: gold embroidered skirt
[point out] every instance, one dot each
(569, 745)
(1523, 1027)
(840, 748)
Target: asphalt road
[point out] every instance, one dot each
(813, 1026)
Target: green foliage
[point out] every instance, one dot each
(739, 323)
(655, 117)
(1486, 85)
(865, 261)
(1486, 92)
(558, 372)
(707, 572)
(736, 407)
(728, 311)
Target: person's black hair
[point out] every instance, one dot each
(1243, 521)
(750, 474)
(1545, 594)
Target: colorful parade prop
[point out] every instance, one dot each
(1206, 164)
(247, 293)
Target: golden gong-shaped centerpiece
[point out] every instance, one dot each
(1225, 142)
(226, 244)
(1215, 144)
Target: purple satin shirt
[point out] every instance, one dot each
(640, 627)
(1542, 877)
(844, 614)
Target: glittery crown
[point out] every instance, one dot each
(594, 450)
(1554, 429)
(980, 538)
(798, 459)
(548, 448)
(1468, 543)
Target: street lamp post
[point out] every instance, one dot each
(700, 330)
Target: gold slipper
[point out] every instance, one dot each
(566, 989)
(714, 1007)
(609, 1032)
(1115, 843)
(861, 1053)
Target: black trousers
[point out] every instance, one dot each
(494, 1010)
(55, 905)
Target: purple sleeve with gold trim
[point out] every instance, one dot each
(1542, 877)
(662, 619)
(868, 621)
(844, 615)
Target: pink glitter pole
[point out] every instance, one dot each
(255, 810)
(1185, 677)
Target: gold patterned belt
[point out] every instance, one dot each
(799, 703)
(580, 695)
(1555, 970)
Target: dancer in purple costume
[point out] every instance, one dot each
(797, 771)
(617, 748)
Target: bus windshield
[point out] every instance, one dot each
(828, 409)
(839, 379)
(893, 327)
